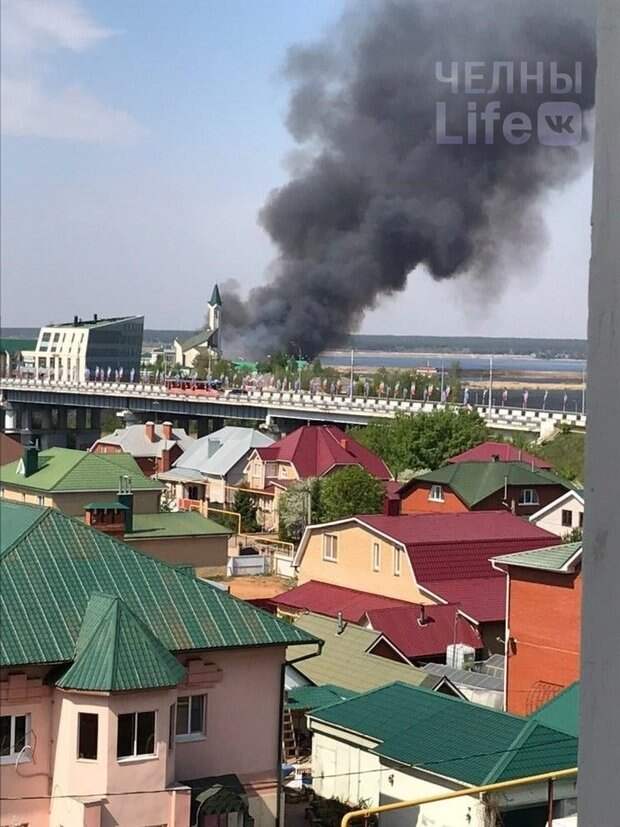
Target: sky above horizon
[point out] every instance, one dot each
(140, 140)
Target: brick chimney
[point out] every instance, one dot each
(344, 443)
(106, 517)
(164, 461)
(149, 430)
(167, 430)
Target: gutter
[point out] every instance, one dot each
(320, 644)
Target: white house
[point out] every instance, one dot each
(402, 742)
(562, 515)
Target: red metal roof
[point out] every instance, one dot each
(504, 451)
(327, 599)
(315, 449)
(481, 598)
(445, 546)
(424, 631)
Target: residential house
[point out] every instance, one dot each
(420, 632)
(308, 452)
(563, 516)
(543, 627)
(10, 449)
(213, 467)
(351, 657)
(129, 689)
(155, 448)
(69, 480)
(182, 538)
(482, 682)
(206, 341)
(400, 742)
(500, 452)
(562, 711)
(422, 558)
(482, 486)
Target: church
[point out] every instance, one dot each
(208, 340)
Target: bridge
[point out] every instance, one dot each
(22, 398)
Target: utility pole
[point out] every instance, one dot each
(351, 377)
(490, 384)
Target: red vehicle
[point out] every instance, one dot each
(190, 387)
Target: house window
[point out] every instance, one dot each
(330, 548)
(14, 735)
(581, 519)
(567, 518)
(436, 494)
(191, 716)
(397, 553)
(136, 735)
(88, 733)
(528, 496)
(40, 500)
(172, 726)
(192, 492)
(376, 557)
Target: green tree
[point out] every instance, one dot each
(426, 440)
(298, 507)
(246, 506)
(350, 491)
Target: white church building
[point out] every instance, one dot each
(207, 340)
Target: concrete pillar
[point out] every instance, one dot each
(202, 426)
(10, 418)
(599, 791)
(80, 419)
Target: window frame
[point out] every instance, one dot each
(567, 514)
(172, 726)
(432, 497)
(189, 735)
(83, 757)
(135, 755)
(330, 541)
(397, 567)
(13, 753)
(533, 499)
(376, 556)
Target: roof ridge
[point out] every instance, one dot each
(44, 512)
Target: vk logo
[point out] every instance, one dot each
(559, 123)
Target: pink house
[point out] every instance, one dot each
(131, 692)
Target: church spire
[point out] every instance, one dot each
(216, 299)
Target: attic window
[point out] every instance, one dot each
(436, 494)
(528, 496)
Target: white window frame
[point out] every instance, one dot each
(435, 497)
(200, 734)
(531, 499)
(10, 758)
(137, 756)
(376, 556)
(397, 560)
(330, 548)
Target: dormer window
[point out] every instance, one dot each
(436, 494)
(528, 496)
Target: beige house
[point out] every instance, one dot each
(563, 515)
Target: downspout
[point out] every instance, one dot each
(281, 726)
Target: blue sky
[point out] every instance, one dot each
(141, 138)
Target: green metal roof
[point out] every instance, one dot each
(116, 652)
(551, 558)
(16, 520)
(177, 524)
(314, 697)
(475, 481)
(344, 660)
(451, 737)
(562, 712)
(215, 296)
(106, 506)
(65, 469)
(50, 570)
(17, 345)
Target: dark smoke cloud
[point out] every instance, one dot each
(377, 196)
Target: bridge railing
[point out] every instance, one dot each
(370, 406)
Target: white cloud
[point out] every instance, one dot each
(32, 32)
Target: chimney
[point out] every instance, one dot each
(75, 321)
(164, 462)
(106, 518)
(495, 457)
(125, 497)
(30, 460)
(341, 625)
(423, 619)
(149, 430)
(94, 317)
(344, 443)
(167, 430)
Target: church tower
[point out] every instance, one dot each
(215, 318)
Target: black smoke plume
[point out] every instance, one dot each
(375, 195)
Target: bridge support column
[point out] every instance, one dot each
(11, 416)
(202, 426)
